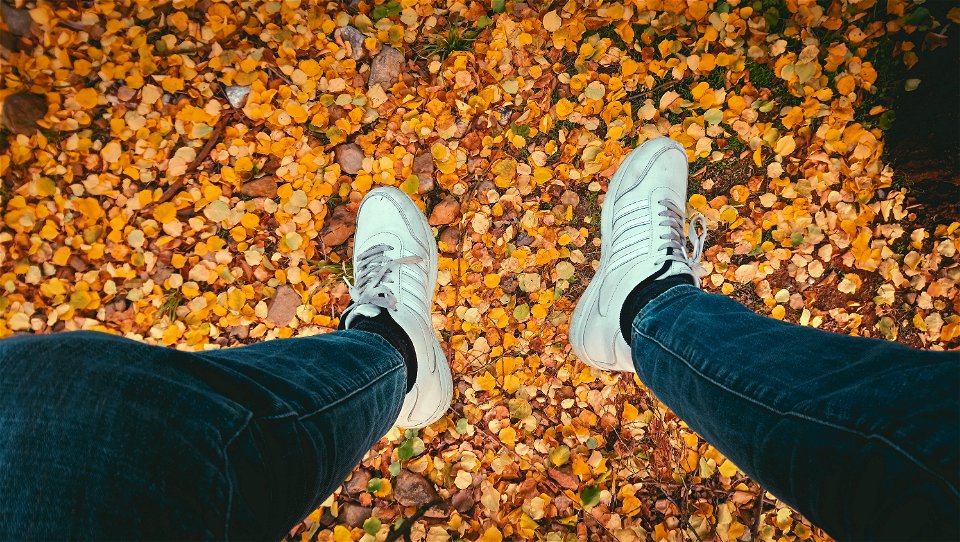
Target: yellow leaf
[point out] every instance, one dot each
(485, 382)
(564, 108)
(61, 255)
(552, 21)
(728, 469)
(87, 98)
(785, 145)
(342, 534)
(165, 212)
(492, 534)
(735, 530)
(508, 436)
(236, 299)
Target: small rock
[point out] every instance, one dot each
(386, 68)
(411, 489)
(22, 110)
(237, 96)
(354, 515)
(284, 306)
(264, 187)
(358, 483)
(463, 501)
(18, 19)
(353, 37)
(569, 197)
(339, 227)
(450, 237)
(349, 156)
(423, 169)
(445, 212)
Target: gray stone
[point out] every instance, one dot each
(353, 37)
(237, 96)
(411, 489)
(349, 156)
(386, 68)
(354, 515)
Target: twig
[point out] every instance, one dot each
(755, 530)
(201, 156)
(407, 524)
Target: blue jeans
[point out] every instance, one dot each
(862, 436)
(101, 437)
(106, 438)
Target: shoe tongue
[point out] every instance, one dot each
(370, 311)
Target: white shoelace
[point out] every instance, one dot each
(673, 218)
(372, 274)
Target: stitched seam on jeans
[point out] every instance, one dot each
(872, 436)
(226, 474)
(346, 397)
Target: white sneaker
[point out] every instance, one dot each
(395, 269)
(642, 236)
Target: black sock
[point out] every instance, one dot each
(643, 293)
(385, 326)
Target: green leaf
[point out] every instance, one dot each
(521, 312)
(796, 239)
(371, 526)
(886, 120)
(395, 468)
(374, 485)
(462, 425)
(592, 443)
(386, 10)
(499, 6)
(757, 250)
(919, 15)
(411, 447)
(590, 496)
(483, 22)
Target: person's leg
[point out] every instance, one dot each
(103, 437)
(107, 438)
(859, 435)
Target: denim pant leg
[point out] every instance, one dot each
(107, 438)
(860, 435)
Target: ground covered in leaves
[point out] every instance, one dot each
(186, 173)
